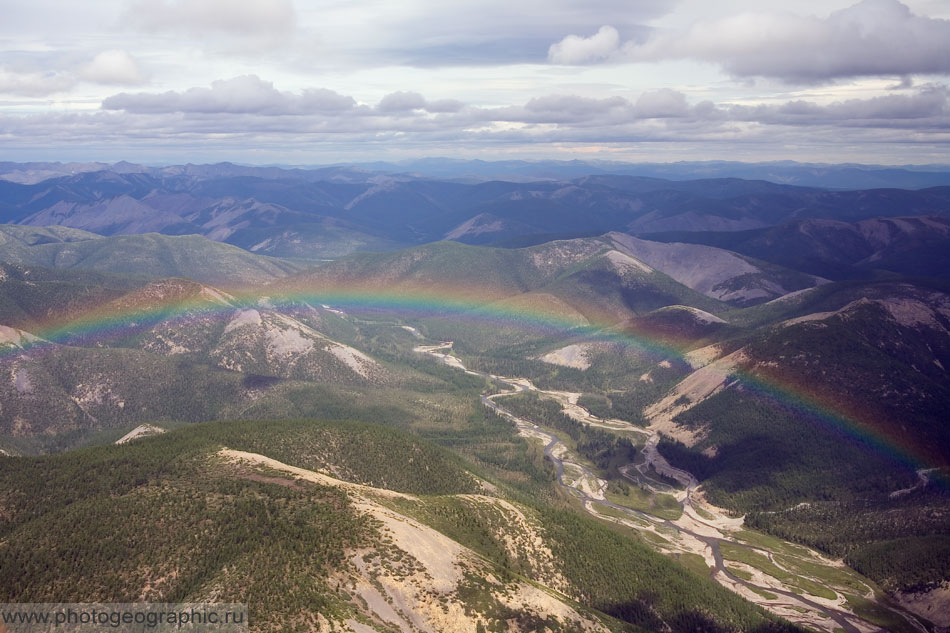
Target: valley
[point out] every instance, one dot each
(379, 401)
(806, 597)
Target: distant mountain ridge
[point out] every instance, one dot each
(327, 213)
(830, 176)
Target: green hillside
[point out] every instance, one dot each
(151, 256)
(83, 524)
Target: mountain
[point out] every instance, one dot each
(327, 213)
(825, 176)
(823, 416)
(172, 349)
(332, 524)
(30, 296)
(179, 203)
(150, 255)
(545, 422)
(914, 246)
(718, 273)
(215, 328)
(577, 281)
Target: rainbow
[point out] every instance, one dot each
(138, 311)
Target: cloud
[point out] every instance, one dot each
(113, 67)
(574, 49)
(462, 32)
(35, 84)
(248, 112)
(870, 38)
(661, 104)
(253, 97)
(928, 108)
(402, 102)
(256, 18)
(248, 94)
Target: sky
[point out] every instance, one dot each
(306, 82)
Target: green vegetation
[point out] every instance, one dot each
(31, 296)
(899, 543)
(788, 459)
(162, 520)
(658, 504)
(629, 581)
(876, 614)
(819, 475)
(165, 519)
(693, 562)
(362, 453)
(624, 405)
(766, 541)
(759, 561)
(604, 449)
(153, 256)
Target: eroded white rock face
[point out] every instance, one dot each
(142, 430)
(285, 347)
(624, 263)
(575, 356)
(243, 318)
(699, 385)
(16, 338)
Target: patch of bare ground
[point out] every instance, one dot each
(414, 577)
(569, 356)
(142, 430)
(933, 605)
(692, 390)
(701, 357)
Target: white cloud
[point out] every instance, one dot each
(403, 101)
(35, 84)
(241, 95)
(246, 112)
(113, 67)
(253, 97)
(870, 38)
(575, 49)
(664, 103)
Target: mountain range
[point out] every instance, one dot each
(327, 213)
(380, 400)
